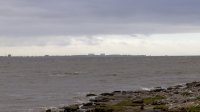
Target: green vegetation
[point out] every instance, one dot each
(198, 97)
(193, 109)
(103, 109)
(161, 107)
(127, 103)
(119, 107)
(150, 100)
(108, 108)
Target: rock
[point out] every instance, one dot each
(107, 94)
(176, 92)
(71, 108)
(190, 99)
(54, 109)
(142, 107)
(173, 99)
(176, 87)
(186, 93)
(159, 102)
(116, 92)
(179, 86)
(193, 84)
(103, 110)
(177, 109)
(170, 88)
(100, 99)
(88, 104)
(90, 95)
(138, 101)
(124, 92)
(48, 110)
(158, 89)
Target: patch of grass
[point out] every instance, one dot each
(127, 103)
(103, 109)
(198, 97)
(193, 109)
(150, 100)
(119, 107)
(161, 107)
(108, 108)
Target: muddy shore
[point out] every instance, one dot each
(179, 98)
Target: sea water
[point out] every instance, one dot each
(29, 84)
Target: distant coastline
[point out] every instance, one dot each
(89, 55)
(112, 55)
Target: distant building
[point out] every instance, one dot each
(102, 54)
(91, 54)
(9, 55)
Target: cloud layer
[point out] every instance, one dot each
(90, 17)
(79, 26)
(155, 44)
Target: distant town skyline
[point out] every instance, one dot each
(76, 27)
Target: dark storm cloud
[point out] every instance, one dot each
(29, 18)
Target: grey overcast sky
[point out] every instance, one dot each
(65, 27)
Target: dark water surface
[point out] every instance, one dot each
(28, 84)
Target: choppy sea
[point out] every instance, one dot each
(29, 84)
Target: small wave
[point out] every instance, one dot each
(146, 89)
(72, 73)
(64, 74)
(42, 109)
(57, 75)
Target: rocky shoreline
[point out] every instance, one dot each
(179, 98)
